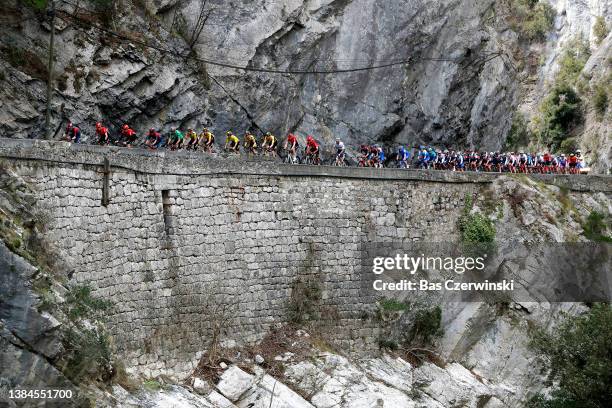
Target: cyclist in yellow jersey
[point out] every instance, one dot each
(231, 142)
(192, 139)
(250, 143)
(207, 139)
(269, 144)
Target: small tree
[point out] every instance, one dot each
(218, 312)
(561, 111)
(579, 355)
(203, 16)
(600, 29)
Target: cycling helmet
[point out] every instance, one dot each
(229, 132)
(98, 125)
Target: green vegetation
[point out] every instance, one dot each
(561, 111)
(103, 5)
(305, 296)
(475, 228)
(15, 56)
(35, 4)
(532, 19)
(152, 385)
(579, 356)
(569, 145)
(600, 29)
(88, 346)
(519, 135)
(595, 227)
(600, 99)
(89, 354)
(426, 326)
(393, 305)
(575, 56)
(81, 304)
(388, 344)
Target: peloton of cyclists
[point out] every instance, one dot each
(426, 157)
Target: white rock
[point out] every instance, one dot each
(219, 401)
(259, 359)
(235, 382)
(270, 392)
(200, 386)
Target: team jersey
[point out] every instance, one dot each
(292, 139)
(207, 136)
(178, 134)
(128, 132)
(192, 135)
(249, 140)
(232, 139)
(270, 140)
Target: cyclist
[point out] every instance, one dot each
(250, 143)
(231, 142)
(153, 139)
(423, 159)
(73, 133)
(192, 139)
(381, 157)
(364, 151)
(459, 164)
(291, 145)
(207, 139)
(312, 149)
(128, 134)
(269, 144)
(340, 152)
(102, 133)
(176, 139)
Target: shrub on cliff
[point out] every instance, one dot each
(576, 53)
(35, 4)
(532, 19)
(600, 99)
(579, 355)
(595, 227)
(561, 112)
(600, 29)
(519, 135)
(427, 325)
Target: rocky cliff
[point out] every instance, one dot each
(467, 67)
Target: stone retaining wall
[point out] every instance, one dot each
(184, 233)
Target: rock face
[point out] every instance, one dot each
(458, 86)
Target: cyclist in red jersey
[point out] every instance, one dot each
(129, 135)
(102, 133)
(312, 149)
(73, 133)
(291, 145)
